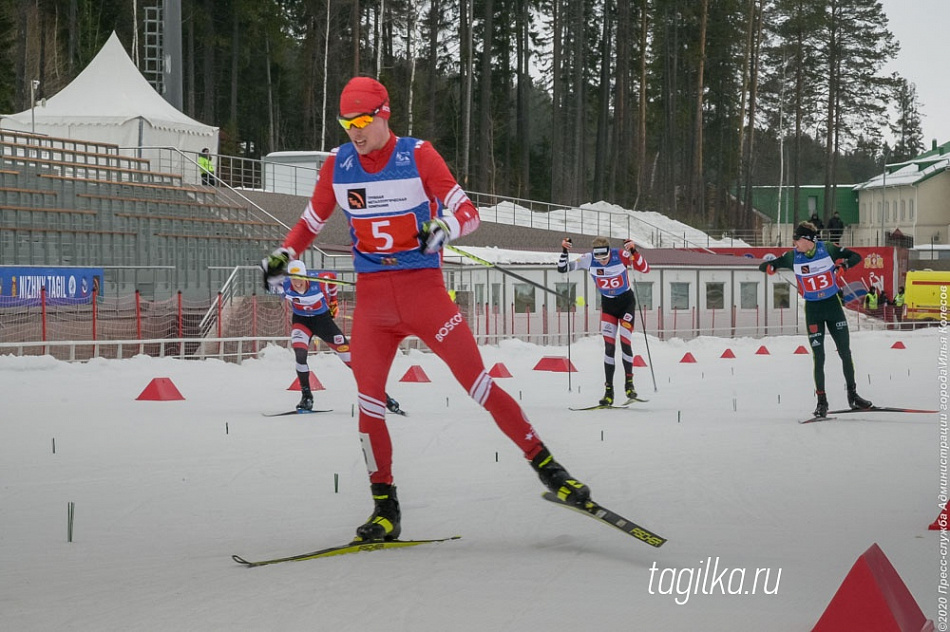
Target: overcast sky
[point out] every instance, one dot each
(920, 27)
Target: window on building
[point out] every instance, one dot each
(879, 211)
(748, 295)
(566, 296)
(903, 210)
(781, 296)
(496, 295)
(910, 210)
(679, 295)
(479, 294)
(644, 292)
(812, 204)
(524, 298)
(715, 295)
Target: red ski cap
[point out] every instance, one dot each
(365, 95)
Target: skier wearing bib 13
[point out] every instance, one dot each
(403, 205)
(816, 264)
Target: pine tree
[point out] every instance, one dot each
(856, 44)
(906, 129)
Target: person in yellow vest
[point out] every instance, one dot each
(206, 165)
(871, 302)
(899, 306)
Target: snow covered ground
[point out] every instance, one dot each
(166, 492)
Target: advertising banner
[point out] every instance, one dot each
(23, 286)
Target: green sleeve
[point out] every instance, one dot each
(785, 262)
(851, 258)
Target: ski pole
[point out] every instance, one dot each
(643, 326)
(489, 264)
(321, 279)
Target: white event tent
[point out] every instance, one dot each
(111, 102)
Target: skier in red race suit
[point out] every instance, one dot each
(403, 205)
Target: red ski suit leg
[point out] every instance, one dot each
(393, 305)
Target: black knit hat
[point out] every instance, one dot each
(805, 230)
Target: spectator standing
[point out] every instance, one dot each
(817, 223)
(835, 228)
(206, 165)
(872, 302)
(899, 307)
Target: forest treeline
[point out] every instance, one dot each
(679, 106)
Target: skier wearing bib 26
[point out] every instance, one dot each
(608, 268)
(816, 264)
(403, 205)
(314, 307)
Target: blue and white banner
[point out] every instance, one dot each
(64, 286)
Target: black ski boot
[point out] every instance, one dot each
(306, 400)
(384, 523)
(821, 410)
(628, 389)
(556, 479)
(393, 406)
(608, 398)
(855, 401)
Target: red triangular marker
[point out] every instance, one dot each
(499, 370)
(315, 384)
(160, 389)
(801, 350)
(873, 598)
(415, 374)
(898, 345)
(638, 361)
(762, 351)
(727, 354)
(688, 358)
(558, 364)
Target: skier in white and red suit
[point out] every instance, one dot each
(403, 205)
(608, 269)
(314, 304)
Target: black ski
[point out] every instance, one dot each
(608, 517)
(296, 412)
(344, 549)
(601, 407)
(872, 409)
(879, 409)
(816, 419)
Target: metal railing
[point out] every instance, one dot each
(235, 173)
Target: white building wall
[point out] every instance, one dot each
(488, 298)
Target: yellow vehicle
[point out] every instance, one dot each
(923, 290)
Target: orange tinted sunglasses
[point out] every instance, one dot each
(360, 120)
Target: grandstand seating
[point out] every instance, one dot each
(66, 202)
